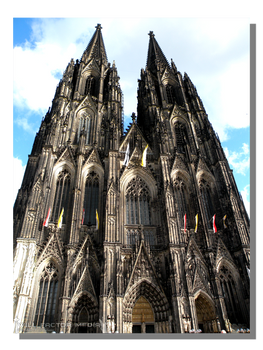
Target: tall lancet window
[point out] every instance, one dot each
(47, 296)
(229, 292)
(181, 200)
(170, 94)
(207, 202)
(84, 127)
(91, 199)
(179, 136)
(138, 203)
(62, 195)
(90, 86)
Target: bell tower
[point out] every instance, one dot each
(135, 231)
(198, 185)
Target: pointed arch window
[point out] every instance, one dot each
(179, 137)
(181, 200)
(170, 93)
(84, 127)
(90, 86)
(229, 292)
(91, 198)
(138, 203)
(62, 195)
(207, 202)
(47, 296)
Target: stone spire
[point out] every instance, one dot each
(155, 55)
(96, 48)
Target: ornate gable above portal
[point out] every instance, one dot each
(66, 155)
(193, 249)
(193, 254)
(93, 158)
(85, 284)
(82, 252)
(143, 269)
(200, 280)
(134, 134)
(53, 248)
(195, 268)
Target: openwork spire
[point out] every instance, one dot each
(96, 48)
(155, 55)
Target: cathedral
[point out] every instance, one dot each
(136, 231)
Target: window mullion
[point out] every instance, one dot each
(40, 300)
(44, 311)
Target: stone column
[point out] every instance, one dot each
(24, 264)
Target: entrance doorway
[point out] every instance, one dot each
(138, 328)
(142, 317)
(84, 315)
(205, 314)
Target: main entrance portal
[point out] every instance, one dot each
(142, 317)
(206, 314)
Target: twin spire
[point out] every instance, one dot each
(96, 50)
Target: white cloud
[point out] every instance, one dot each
(24, 123)
(246, 198)
(240, 161)
(18, 173)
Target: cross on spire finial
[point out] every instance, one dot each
(98, 26)
(151, 34)
(133, 117)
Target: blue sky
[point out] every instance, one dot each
(213, 52)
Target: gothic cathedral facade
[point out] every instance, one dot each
(106, 243)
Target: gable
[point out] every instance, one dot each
(93, 158)
(222, 252)
(53, 248)
(66, 156)
(143, 269)
(92, 68)
(134, 137)
(88, 104)
(203, 170)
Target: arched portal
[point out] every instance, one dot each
(148, 296)
(85, 315)
(206, 315)
(142, 317)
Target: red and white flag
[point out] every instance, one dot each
(83, 216)
(45, 223)
(214, 224)
(184, 222)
